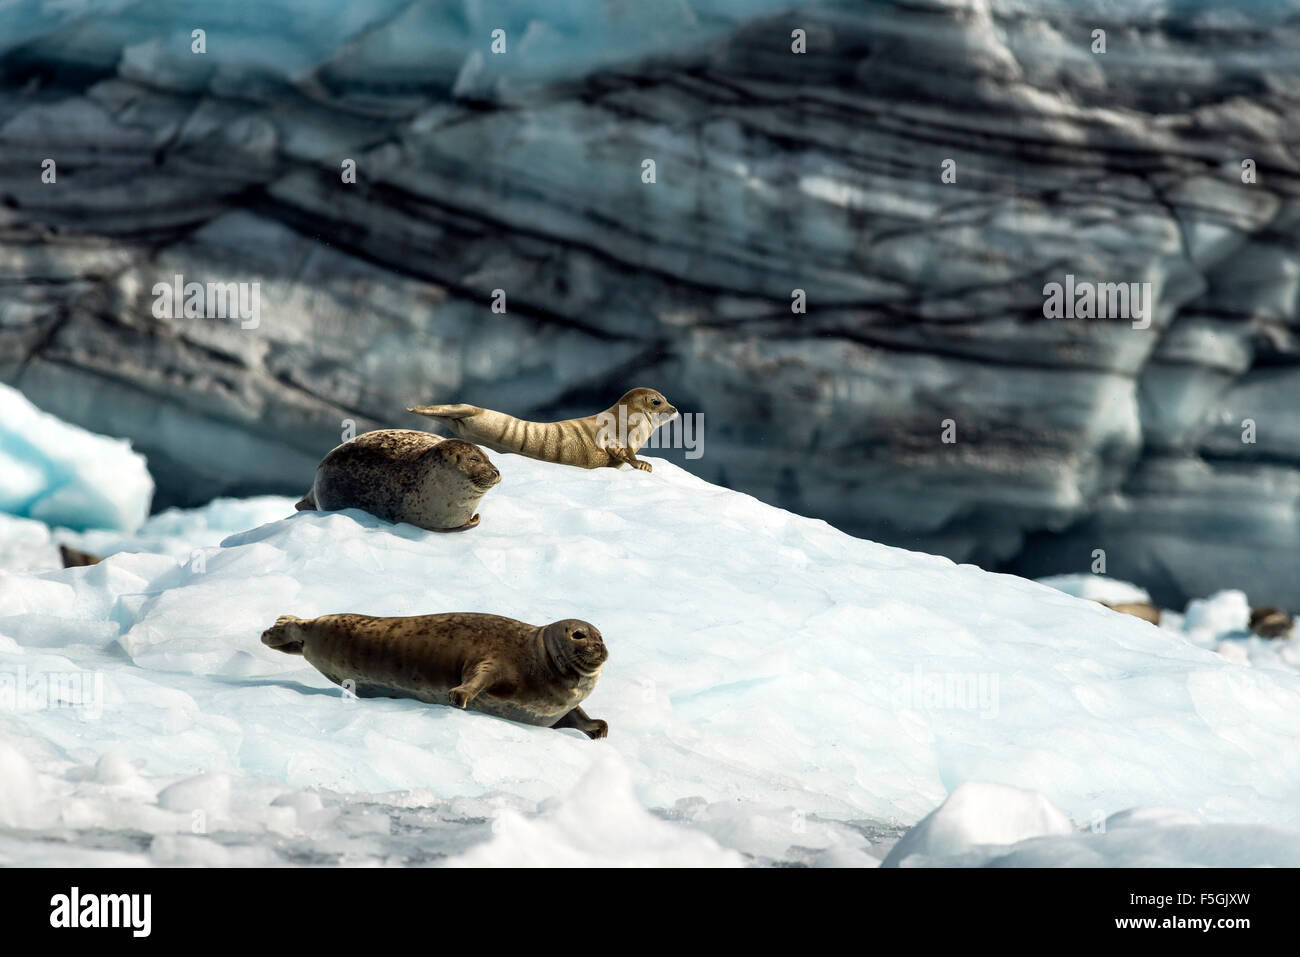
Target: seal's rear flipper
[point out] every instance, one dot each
(446, 411)
(284, 635)
(306, 503)
(577, 718)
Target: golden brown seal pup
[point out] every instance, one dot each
(610, 438)
(401, 475)
(499, 666)
(1269, 622)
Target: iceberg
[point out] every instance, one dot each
(61, 474)
(777, 692)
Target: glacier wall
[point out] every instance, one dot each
(774, 171)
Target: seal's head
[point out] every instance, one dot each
(470, 461)
(575, 646)
(649, 403)
(645, 411)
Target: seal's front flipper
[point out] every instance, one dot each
(474, 680)
(591, 727)
(628, 456)
(306, 504)
(472, 523)
(460, 411)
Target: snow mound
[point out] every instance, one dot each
(787, 691)
(600, 823)
(1224, 612)
(983, 825)
(63, 475)
(976, 813)
(20, 795)
(1097, 588)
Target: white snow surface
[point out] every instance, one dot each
(63, 475)
(777, 691)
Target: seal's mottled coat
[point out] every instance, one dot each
(401, 475)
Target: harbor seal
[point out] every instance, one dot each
(487, 663)
(401, 475)
(1269, 622)
(76, 558)
(606, 439)
(1138, 609)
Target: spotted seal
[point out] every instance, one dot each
(401, 475)
(487, 663)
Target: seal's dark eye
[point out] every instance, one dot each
(579, 636)
(656, 402)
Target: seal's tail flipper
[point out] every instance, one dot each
(285, 635)
(306, 504)
(446, 412)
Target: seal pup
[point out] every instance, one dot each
(606, 439)
(487, 663)
(401, 475)
(1269, 622)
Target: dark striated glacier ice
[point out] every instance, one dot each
(775, 171)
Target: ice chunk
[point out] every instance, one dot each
(775, 689)
(205, 794)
